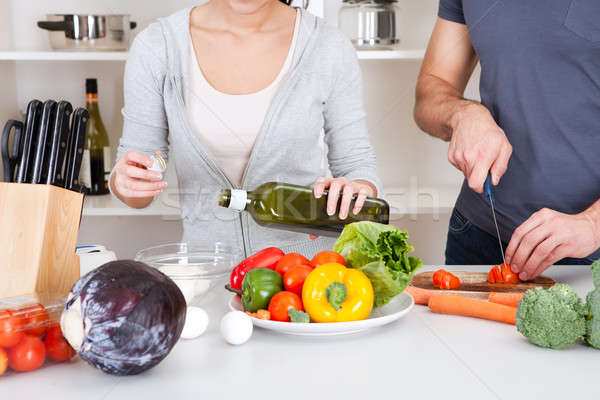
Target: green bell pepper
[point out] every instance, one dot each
(258, 286)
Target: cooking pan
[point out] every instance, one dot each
(108, 32)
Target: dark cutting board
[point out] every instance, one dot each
(475, 284)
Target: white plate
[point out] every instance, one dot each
(395, 309)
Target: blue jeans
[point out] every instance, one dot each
(469, 245)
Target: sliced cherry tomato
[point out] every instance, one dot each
(28, 355)
(502, 274)
(290, 260)
(3, 361)
(282, 303)
(36, 320)
(11, 328)
(293, 279)
(437, 277)
(445, 280)
(508, 276)
(326, 257)
(57, 347)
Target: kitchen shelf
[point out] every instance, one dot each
(391, 54)
(434, 200)
(51, 55)
(108, 206)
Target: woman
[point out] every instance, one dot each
(241, 91)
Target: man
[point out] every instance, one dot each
(537, 129)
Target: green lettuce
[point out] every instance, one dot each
(380, 251)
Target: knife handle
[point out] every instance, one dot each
(58, 143)
(76, 147)
(488, 187)
(34, 109)
(47, 120)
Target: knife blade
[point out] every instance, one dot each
(75, 151)
(488, 190)
(46, 121)
(34, 110)
(52, 173)
(11, 156)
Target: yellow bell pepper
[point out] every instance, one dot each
(334, 293)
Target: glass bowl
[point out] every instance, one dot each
(196, 269)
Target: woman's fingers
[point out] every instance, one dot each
(360, 200)
(347, 194)
(135, 157)
(320, 185)
(140, 173)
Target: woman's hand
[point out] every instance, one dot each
(132, 181)
(362, 189)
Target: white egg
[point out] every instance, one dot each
(196, 322)
(236, 327)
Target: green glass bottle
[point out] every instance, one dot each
(294, 208)
(96, 164)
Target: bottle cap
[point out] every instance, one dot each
(91, 86)
(159, 165)
(238, 200)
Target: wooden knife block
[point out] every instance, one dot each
(38, 235)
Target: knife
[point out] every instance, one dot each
(52, 172)
(34, 109)
(488, 190)
(47, 120)
(10, 157)
(75, 150)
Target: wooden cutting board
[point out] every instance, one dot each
(476, 285)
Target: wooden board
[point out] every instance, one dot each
(475, 284)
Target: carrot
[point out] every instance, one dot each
(465, 306)
(421, 296)
(508, 299)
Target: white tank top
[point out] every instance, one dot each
(227, 124)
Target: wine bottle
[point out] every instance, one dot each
(96, 165)
(294, 208)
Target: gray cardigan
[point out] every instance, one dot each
(322, 93)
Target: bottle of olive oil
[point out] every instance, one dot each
(294, 208)
(96, 163)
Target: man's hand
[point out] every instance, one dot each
(478, 146)
(549, 236)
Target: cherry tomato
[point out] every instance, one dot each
(508, 276)
(282, 303)
(290, 260)
(3, 360)
(28, 355)
(36, 320)
(437, 277)
(11, 328)
(326, 257)
(445, 280)
(293, 279)
(57, 347)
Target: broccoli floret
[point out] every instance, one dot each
(553, 318)
(593, 305)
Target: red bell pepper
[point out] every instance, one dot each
(266, 258)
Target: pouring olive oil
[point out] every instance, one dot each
(294, 208)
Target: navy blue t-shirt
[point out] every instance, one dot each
(540, 79)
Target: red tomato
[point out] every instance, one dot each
(28, 355)
(290, 260)
(11, 328)
(3, 360)
(282, 303)
(57, 347)
(326, 257)
(293, 279)
(36, 320)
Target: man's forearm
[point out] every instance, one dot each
(438, 105)
(593, 214)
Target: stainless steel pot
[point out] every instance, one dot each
(371, 24)
(110, 32)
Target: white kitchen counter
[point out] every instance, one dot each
(423, 355)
